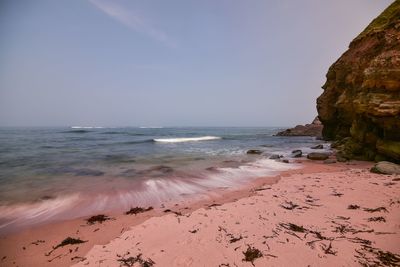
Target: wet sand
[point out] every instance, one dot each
(300, 216)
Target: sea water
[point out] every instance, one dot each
(68, 172)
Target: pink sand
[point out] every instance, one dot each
(219, 235)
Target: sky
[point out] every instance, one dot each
(171, 63)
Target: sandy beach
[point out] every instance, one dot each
(321, 215)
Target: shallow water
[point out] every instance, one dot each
(48, 173)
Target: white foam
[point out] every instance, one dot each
(187, 139)
(87, 127)
(151, 127)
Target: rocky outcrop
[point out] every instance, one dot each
(360, 105)
(313, 129)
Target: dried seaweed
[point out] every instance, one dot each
(65, 242)
(379, 209)
(328, 249)
(97, 219)
(377, 219)
(138, 210)
(138, 259)
(251, 254)
(353, 207)
(294, 227)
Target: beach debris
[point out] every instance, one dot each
(336, 194)
(293, 227)
(214, 205)
(138, 259)
(78, 258)
(251, 254)
(194, 231)
(379, 209)
(343, 229)
(137, 210)
(370, 256)
(353, 207)
(235, 239)
(69, 241)
(328, 249)
(289, 205)
(97, 219)
(178, 213)
(377, 219)
(37, 242)
(65, 242)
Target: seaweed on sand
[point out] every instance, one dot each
(377, 219)
(138, 259)
(65, 242)
(251, 254)
(293, 227)
(97, 219)
(137, 210)
(353, 207)
(379, 209)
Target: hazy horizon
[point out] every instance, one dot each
(171, 63)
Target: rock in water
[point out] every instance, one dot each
(318, 147)
(254, 152)
(274, 156)
(313, 129)
(318, 156)
(360, 105)
(297, 153)
(385, 167)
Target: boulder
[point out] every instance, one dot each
(318, 156)
(329, 161)
(320, 146)
(254, 152)
(285, 160)
(385, 167)
(297, 153)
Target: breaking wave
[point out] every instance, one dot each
(187, 139)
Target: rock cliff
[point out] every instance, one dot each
(360, 105)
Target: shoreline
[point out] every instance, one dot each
(29, 247)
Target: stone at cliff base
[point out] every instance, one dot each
(318, 156)
(318, 147)
(297, 153)
(385, 167)
(254, 152)
(360, 105)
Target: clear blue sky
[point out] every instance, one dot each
(171, 63)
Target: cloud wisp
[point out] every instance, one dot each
(133, 21)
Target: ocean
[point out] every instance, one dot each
(62, 173)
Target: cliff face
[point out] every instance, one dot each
(360, 105)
